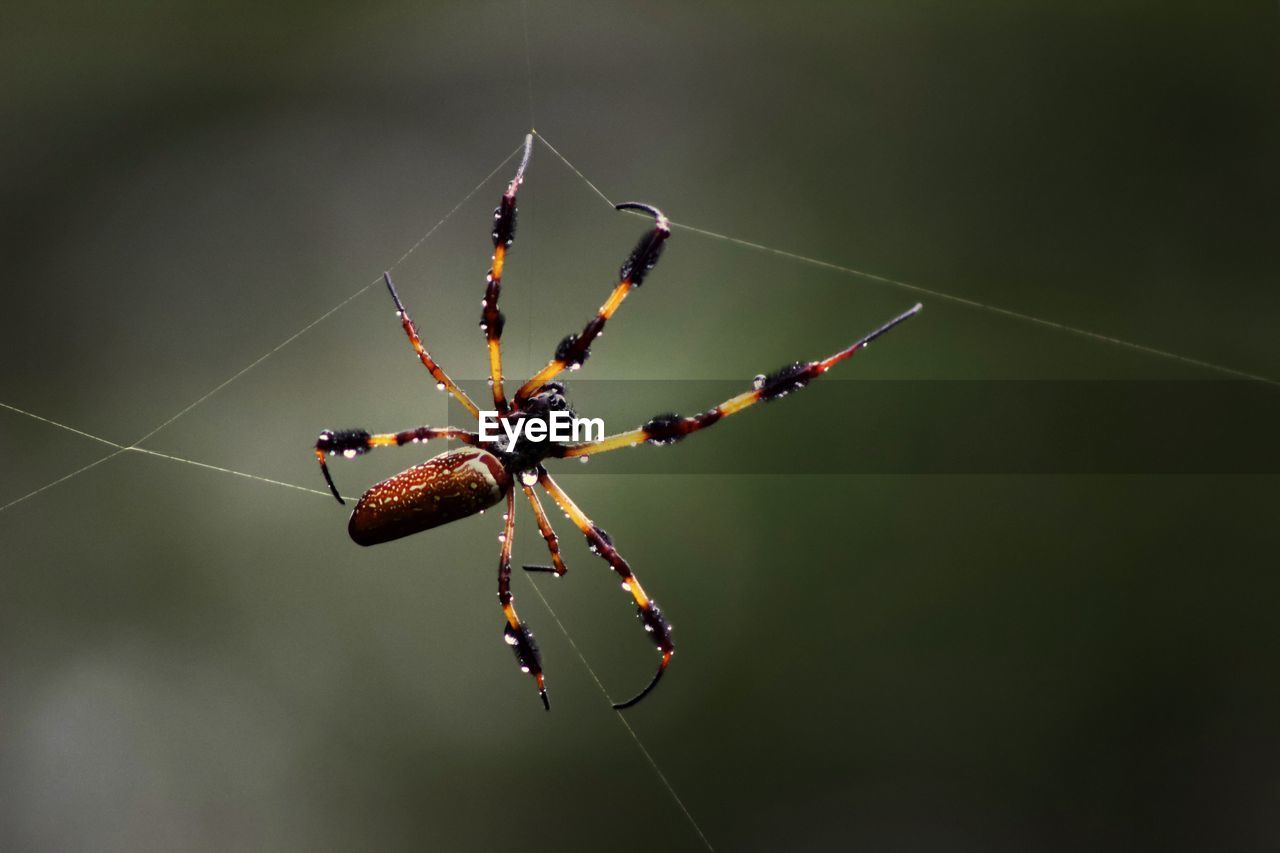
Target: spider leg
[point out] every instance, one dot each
(574, 349)
(491, 319)
(354, 442)
(516, 632)
(655, 623)
(443, 382)
(668, 429)
(548, 533)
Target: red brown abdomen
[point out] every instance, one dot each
(445, 488)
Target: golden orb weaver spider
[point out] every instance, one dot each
(468, 480)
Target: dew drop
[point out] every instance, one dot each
(524, 669)
(529, 477)
(351, 454)
(502, 537)
(583, 459)
(758, 382)
(439, 386)
(626, 586)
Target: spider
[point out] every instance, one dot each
(467, 480)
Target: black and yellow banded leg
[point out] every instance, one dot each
(574, 349)
(515, 632)
(655, 623)
(351, 443)
(557, 566)
(443, 382)
(491, 319)
(670, 428)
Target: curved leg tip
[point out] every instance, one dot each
(324, 469)
(657, 676)
(642, 207)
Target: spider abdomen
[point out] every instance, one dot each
(445, 488)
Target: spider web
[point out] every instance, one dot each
(136, 447)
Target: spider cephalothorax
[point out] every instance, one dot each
(469, 479)
(524, 454)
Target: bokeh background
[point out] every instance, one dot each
(893, 660)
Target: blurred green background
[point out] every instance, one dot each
(195, 661)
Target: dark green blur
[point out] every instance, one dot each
(876, 661)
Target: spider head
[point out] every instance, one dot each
(549, 398)
(547, 412)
